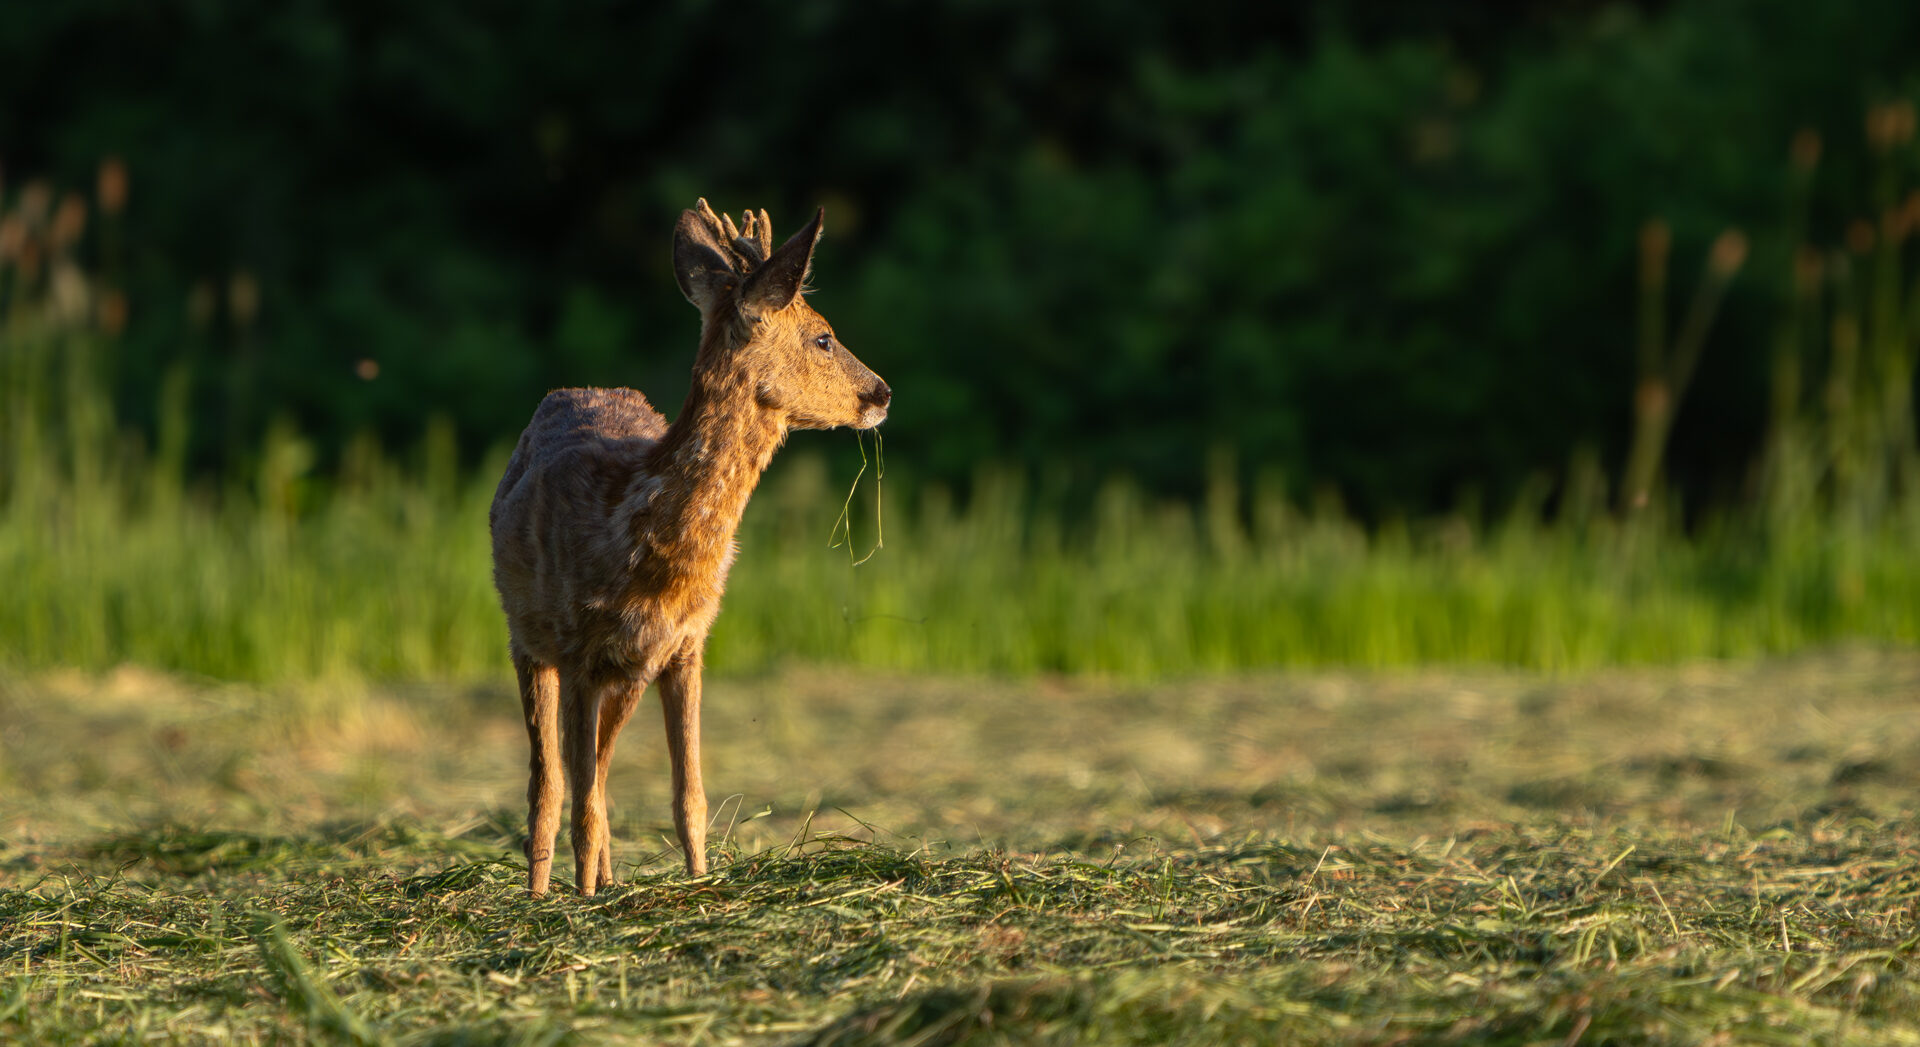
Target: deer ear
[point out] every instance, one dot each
(700, 265)
(774, 283)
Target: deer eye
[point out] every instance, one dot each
(825, 342)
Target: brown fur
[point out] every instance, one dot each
(613, 531)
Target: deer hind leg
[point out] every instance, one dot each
(580, 713)
(680, 704)
(616, 708)
(540, 700)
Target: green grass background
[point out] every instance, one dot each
(387, 577)
(380, 570)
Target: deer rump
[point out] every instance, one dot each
(575, 583)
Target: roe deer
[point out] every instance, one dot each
(613, 531)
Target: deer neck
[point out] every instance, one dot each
(703, 471)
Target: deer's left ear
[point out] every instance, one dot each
(773, 285)
(700, 264)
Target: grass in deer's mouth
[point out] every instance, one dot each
(842, 532)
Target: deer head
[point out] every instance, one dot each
(758, 332)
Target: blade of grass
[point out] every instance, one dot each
(305, 990)
(842, 532)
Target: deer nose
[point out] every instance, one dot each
(878, 396)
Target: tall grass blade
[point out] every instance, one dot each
(305, 991)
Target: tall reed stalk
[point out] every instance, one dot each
(1841, 448)
(1667, 365)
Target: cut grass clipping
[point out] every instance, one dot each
(1718, 854)
(842, 532)
(1534, 934)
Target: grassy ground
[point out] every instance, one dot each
(1717, 853)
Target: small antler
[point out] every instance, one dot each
(747, 245)
(763, 229)
(753, 240)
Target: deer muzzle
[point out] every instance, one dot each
(873, 404)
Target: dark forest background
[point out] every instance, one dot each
(1388, 250)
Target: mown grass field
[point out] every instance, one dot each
(1716, 853)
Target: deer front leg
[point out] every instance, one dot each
(580, 710)
(680, 704)
(616, 708)
(540, 701)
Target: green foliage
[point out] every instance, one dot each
(1384, 250)
(380, 571)
(1272, 291)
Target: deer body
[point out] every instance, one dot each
(613, 532)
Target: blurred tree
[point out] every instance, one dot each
(1385, 248)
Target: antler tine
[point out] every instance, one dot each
(766, 234)
(748, 242)
(739, 250)
(706, 213)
